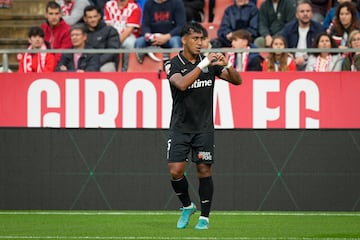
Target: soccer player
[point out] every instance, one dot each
(192, 79)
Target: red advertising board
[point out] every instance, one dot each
(143, 100)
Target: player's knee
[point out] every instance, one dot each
(204, 170)
(176, 172)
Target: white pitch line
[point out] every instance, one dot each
(163, 238)
(151, 213)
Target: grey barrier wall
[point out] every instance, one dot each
(125, 169)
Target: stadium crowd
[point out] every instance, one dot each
(154, 24)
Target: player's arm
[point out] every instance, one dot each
(183, 82)
(229, 73)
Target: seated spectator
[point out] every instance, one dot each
(279, 61)
(125, 17)
(244, 61)
(161, 26)
(241, 15)
(78, 62)
(330, 16)
(345, 22)
(102, 36)
(352, 60)
(273, 16)
(324, 61)
(37, 62)
(77, 11)
(56, 30)
(194, 10)
(301, 32)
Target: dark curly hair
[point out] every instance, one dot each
(338, 28)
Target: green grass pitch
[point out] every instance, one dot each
(133, 225)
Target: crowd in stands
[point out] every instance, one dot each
(154, 24)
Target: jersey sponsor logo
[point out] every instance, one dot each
(204, 156)
(201, 84)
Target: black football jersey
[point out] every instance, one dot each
(192, 109)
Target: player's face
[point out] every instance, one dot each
(193, 42)
(345, 17)
(92, 18)
(304, 13)
(324, 42)
(53, 16)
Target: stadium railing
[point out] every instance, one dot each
(5, 52)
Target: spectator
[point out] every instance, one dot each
(244, 61)
(37, 62)
(162, 22)
(301, 32)
(56, 30)
(194, 10)
(352, 60)
(78, 61)
(324, 61)
(76, 12)
(240, 15)
(320, 8)
(273, 16)
(345, 22)
(279, 61)
(331, 14)
(125, 17)
(101, 36)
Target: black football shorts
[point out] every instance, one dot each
(201, 146)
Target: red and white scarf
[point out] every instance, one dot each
(244, 60)
(322, 65)
(28, 57)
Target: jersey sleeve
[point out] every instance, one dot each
(171, 68)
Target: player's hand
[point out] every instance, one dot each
(217, 59)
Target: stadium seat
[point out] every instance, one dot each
(212, 29)
(148, 65)
(220, 9)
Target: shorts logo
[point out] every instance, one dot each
(205, 156)
(168, 148)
